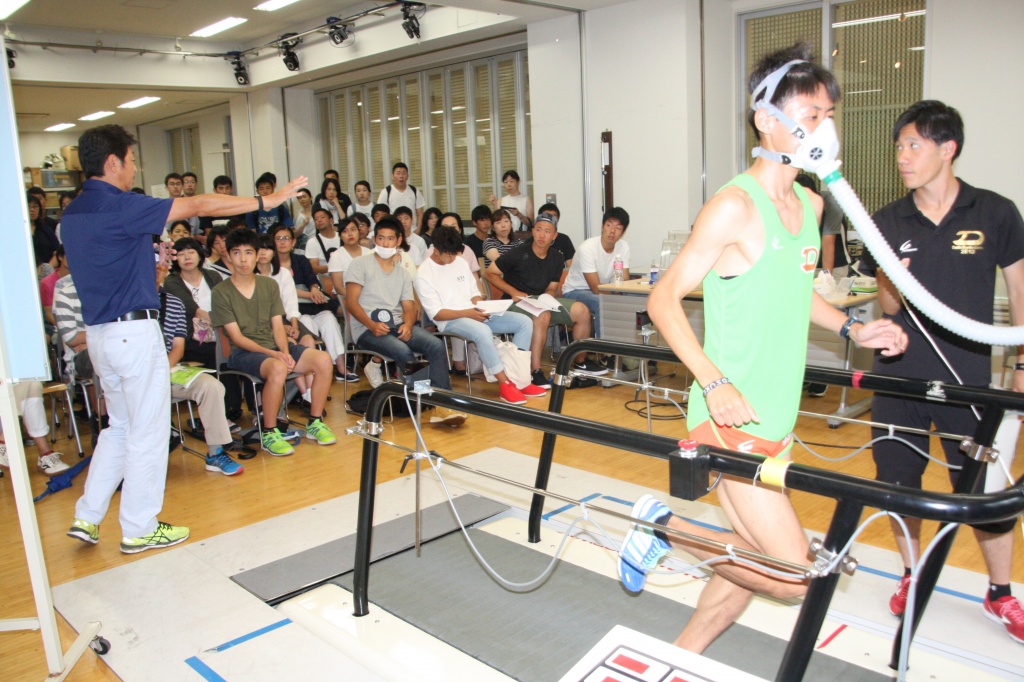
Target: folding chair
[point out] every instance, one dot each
(54, 390)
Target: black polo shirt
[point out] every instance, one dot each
(956, 261)
(562, 244)
(522, 269)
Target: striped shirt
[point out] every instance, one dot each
(172, 320)
(67, 310)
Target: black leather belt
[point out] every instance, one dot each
(139, 315)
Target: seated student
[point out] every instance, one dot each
(180, 229)
(46, 285)
(501, 239)
(67, 314)
(481, 218)
(260, 220)
(379, 298)
(431, 219)
(28, 395)
(449, 295)
(204, 390)
(350, 250)
(365, 227)
(325, 242)
(378, 212)
(217, 243)
(532, 269)
(417, 245)
(250, 311)
(222, 184)
(363, 203)
(595, 261)
(333, 199)
(562, 242)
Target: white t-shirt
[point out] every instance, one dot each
(518, 203)
(289, 297)
(591, 257)
(313, 249)
(441, 287)
(405, 198)
(467, 255)
(341, 258)
(203, 296)
(417, 249)
(366, 210)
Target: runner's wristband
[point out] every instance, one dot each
(715, 384)
(844, 331)
(1018, 366)
(259, 199)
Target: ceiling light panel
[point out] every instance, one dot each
(222, 25)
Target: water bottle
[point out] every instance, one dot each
(617, 270)
(654, 273)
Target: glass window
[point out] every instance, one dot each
(326, 132)
(460, 149)
(358, 125)
(375, 151)
(412, 123)
(508, 154)
(482, 118)
(437, 141)
(393, 110)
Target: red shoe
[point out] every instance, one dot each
(1007, 610)
(510, 394)
(898, 601)
(534, 391)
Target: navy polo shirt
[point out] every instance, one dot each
(108, 237)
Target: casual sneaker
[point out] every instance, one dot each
(224, 464)
(510, 394)
(1007, 610)
(589, 367)
(445, 417)
(898, 601)
(318, 431)
(233, 427)
(51, 464)
(4, 462)
(275, 443)
(165, 535)
(540, 379)
(534, 391)
(84, 531)
(374, 373)
(816, 390)
(642, 549)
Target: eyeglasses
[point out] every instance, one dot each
(283, 238)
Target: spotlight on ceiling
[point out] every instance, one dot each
(241, 76)
(410, 18)
(11, 56)
(286, 46)
(338, 32)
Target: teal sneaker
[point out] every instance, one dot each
(84, 531)
(224, 464)
(318, 431)
(642, 549)
(165, 535)
(275, 444)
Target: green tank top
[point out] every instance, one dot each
(756, 324)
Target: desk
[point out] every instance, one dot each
(621, 302)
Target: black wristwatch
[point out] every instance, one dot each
(1018, 366)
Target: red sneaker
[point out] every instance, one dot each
(510, 394)
(898, 601)
(534, 391)
(1007, 610)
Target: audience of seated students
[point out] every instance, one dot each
(379, 298)
(364, 202)
(532, 269)
(222, 184)
(304, 228)
(518, 205)
(44, 238)
(417, 246)
(326, 240)
(431, 218)
(205, 390)
(454, 221)
(317, 309)
(179, 229)
(193, 284)
(501, 239)
(481, 218)
(47, 284)
(67, 313)
(340, 259)
(28, 396)
(595, 260)
(449, 295)
(333, 199)
(249, 310)
(260, 220)
(365, 227)
(217, 246)
(378, 212)
(401, 193)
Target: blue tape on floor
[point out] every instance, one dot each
(251, 635)
(944, 590)
(204, 670)
(567, 507)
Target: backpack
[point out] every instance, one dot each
(360, 400)
(412, 187)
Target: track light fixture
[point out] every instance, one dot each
(410, 18)
(11, 56)
(338, 32)
(286, 46)
(241, 76)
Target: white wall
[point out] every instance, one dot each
(154, 153)
(303, 136)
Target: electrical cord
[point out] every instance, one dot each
(872, 442)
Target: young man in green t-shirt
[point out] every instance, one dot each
(754, 246)
(249, 310)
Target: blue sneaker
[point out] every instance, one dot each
(642, 549)
(224, 464)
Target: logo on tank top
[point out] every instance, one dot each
(810, 255)
(968, 241)
(907, 247)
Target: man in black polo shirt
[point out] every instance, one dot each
(953, 237)
(533, 269)
(108, 235)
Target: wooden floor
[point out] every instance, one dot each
(212, 504)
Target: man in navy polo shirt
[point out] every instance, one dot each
(108, 235)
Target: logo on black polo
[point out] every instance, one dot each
(968, 241)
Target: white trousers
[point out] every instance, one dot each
(130, 360)
(325, 325)
(28, 396)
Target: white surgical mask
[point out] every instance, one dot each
(385, 252)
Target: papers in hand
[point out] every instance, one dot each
(184, 375)
(536, 306)
(493, 308)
